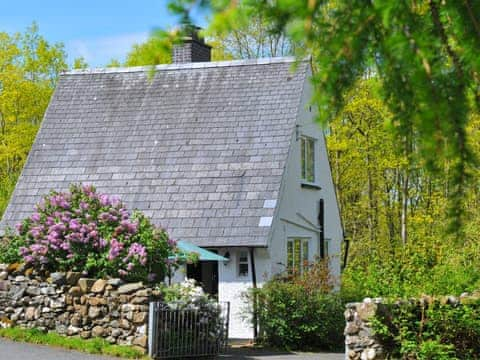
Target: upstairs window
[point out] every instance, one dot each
(297, 254)
(243, 264)
(307, 153)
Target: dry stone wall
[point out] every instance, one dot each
(73, 305)
(360, 341)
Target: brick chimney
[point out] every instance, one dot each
(193, 48)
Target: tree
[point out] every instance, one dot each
(113, 63)
(251, 38)
(29, 69)
(425, 53)
(151, 52)
(80, 63)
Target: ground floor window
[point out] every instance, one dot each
(297, 254)
(243, 263)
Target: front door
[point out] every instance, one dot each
(206, 274)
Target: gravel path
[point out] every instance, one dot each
(10, 350)
(249, 354)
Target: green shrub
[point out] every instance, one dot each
(430, 330)
(9, 249)
(299, 312)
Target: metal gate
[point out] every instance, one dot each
(179, 330)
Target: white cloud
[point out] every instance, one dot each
(99, 51)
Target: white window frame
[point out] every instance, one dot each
(298, 261)
(304, 140)
(240, 262)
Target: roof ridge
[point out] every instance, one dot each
(186, 66)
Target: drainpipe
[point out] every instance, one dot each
(345, 258)
(321, 222)
(254, 284)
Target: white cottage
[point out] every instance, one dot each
(224, 155)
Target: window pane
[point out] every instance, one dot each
(242, 269)
(310, 161)
(243, 257)
(303, 159)
(290, 255)
(297, 255)
(243, 263)
(305, 253)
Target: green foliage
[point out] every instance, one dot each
(80, 63)
(113, 63)
(9, 245)
(299, 312)
(152, 52)
(29, 69)
(430, 329)
(90, 346)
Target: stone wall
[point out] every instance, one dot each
(75, 306)
(360, 341)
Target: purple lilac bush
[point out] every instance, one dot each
(82, 230)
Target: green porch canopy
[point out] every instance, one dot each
(203, 254)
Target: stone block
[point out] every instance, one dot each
(75, 291)
(99, 286)
(72, 278)
(94, 312)
(96, 301)
(141, 341)
(98, 331)
(140, 317)
(57, 278)
(130, 288)
(116, 282)
(85, 284)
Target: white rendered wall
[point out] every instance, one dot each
(232, 288)
(298, 208)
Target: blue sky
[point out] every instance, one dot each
(97, 30)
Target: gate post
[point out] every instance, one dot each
(152, 331)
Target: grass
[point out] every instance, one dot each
(91, 346)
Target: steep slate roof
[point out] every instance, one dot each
(199, 147)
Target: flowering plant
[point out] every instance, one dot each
(82, 230)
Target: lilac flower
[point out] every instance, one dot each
(35, 217)
(104, 200)
(74, 225)
(115, 249)
(34, 233)
(83, 205)
(88, 189)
